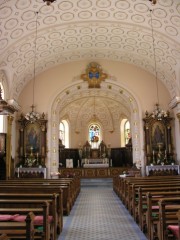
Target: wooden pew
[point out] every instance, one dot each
(62, 190)
(141, 204)
(54, 204)
(135, 191)
(152, 213)
(4, 237)
(73, 184)
(21, 223)
(23, 229)
(168, 208)
(33, 190)
(69, 195)
(127, 184)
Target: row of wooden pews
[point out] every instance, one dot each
(25, 199)
(154, 203)
(4, 237)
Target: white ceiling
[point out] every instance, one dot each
(71, 30)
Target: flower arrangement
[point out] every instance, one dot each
(30, 162)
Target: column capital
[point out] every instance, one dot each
(178, 116)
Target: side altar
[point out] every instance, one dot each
(31, 172)
(32, 148)
(159, 150)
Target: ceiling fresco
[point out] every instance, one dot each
(73, 30)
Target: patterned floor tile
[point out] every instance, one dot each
(98, 214)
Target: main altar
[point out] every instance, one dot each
(95, 157)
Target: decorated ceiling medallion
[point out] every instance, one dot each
(94, 75)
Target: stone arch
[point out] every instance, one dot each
(109, 89)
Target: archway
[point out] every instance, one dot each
(109, 90)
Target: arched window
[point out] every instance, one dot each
(94, 135)
(64, 133)
(1, 116)
(125, 132)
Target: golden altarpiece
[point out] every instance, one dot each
(32, 148)
(159, 150)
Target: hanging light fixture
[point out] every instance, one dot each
(48, 2)
(94, 111)
(158, 113)
(33, 116)
(153, 2)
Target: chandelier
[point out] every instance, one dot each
(153, 2)
(48, 2)
(158, 113)
(33, 116)
(94, 111)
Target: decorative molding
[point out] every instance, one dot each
(94, 75)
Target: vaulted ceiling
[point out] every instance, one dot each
(72, 30)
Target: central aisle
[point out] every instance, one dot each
(98, 214)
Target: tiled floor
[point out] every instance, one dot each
(98, 214)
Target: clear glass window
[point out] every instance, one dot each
(64, 133)
(127, 132)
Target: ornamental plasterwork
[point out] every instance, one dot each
(94, 75)
(85, 30)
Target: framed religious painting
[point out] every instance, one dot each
(2, 144)
(158, 143)
(32, 141)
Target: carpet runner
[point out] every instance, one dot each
(98, 214)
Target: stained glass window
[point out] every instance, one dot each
(94, 135)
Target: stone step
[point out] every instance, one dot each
(96, 182)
